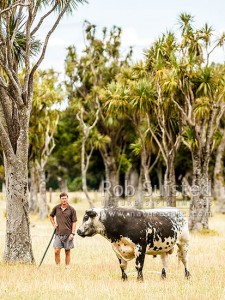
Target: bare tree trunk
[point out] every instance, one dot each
(63, 184)
(160, 178)
(186, 187)
(3, 187)
(84, 168)
(43, 207)
(18, 247)
(218, 176)
(112, 180)
(170, 182)
(200, 194)
(139, 201)
(33, 205)
(147, 180)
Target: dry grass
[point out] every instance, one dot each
(95, 273)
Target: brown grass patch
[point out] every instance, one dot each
(95, 272)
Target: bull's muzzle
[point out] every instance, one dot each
(80, 233)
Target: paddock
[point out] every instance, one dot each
(94, 272)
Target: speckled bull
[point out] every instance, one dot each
(134, 233)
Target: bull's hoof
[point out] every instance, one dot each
(124, 277)
(140, 279)
(187, 274)
(163, 275)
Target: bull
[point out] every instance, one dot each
(134, 233)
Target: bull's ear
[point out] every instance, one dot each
(91, 213)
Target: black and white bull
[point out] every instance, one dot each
(134, 233)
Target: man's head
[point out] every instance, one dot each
(63, 198)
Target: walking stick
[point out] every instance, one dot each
(47, 248)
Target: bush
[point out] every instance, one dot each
(75, 185)
(75, 200)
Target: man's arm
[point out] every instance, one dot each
(53, 222)
(73, 231)
(74, 227)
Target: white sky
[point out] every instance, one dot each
(141, 21)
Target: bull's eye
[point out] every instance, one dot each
(86, 218)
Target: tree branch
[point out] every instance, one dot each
(18, 3)
(2, 83)
(17, 24)
(6, 145)
(42, 19)
(13, 80)
(88, 157)
(188, 119)
(27, 55)
(48, 139)
(8, 42)
(156, 139)
(35, 11)
(155, 162)
(46, 42)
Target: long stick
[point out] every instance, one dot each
(47, 248)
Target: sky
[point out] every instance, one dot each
(141, 21)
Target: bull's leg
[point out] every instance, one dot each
(164, 258)
(139, 260)
(183, 256)
(123, 266)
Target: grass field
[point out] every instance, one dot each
(95, 274)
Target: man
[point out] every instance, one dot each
(65, 228)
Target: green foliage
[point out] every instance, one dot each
(2, 173)
(20, 40)
(202, 108)
(60, 4)
(170, 93)
(75, 185)
(190, 137)
(86, 82)
(47, 94)
(75, 200)
(209, 232)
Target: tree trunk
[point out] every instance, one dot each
(84, 168)
(147, 185)
(160, 179)
(3, 187)
(112, 180)
(170, 182)
(63, 185)
(200, 193)
(33, 207)
(139, 201)
(18, 247)
(43, 207)
(218, 176)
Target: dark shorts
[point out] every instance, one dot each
(62, 241)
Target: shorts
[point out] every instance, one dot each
(62, 241)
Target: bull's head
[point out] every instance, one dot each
(91, 224)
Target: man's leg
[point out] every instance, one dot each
(67, 258)
(57, 256)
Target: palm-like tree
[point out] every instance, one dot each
(132, 97)
(43, 123)
(19, 24)
(98, 66)
(160, 61)
(201, 106)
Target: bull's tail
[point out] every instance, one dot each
(183, 244)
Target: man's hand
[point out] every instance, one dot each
(71, 237)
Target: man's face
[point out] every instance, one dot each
(64, 200)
